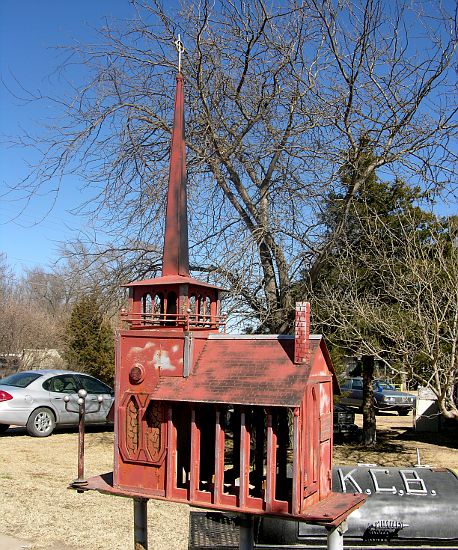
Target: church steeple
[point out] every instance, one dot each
(176, 257)
(175, 301)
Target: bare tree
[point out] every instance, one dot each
(23, 323)
(51, 291)
(6, 277)
(369, 434)
(278, 99)
(34, 310)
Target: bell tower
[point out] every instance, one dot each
(175, 301)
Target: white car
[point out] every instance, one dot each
(35, 399)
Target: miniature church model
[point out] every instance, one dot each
(232, 422)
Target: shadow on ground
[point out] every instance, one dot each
(398, 444)
(386, 451)
(445, 438)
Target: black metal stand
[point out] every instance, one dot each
(80, 481)
(246, 532)
(140, 524)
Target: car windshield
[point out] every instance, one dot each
(383, 385)
(20, 379)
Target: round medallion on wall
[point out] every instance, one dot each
(137, 374)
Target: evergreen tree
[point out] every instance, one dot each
(89, 340)
(376, 223)
(353, 270)
(389, 286)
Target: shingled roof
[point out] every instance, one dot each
(255, 370)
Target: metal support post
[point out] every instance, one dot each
(80, 482)
(82, 394)
(335, 536)
(140, 524)
(246, 538)
(82, 414)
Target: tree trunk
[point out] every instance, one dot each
(369, 420)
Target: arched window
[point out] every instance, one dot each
(147, 304)
(201, 308)
(172, 308)
(158, 305)
(208, 309)
(192, 305)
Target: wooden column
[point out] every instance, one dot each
(296, 496)
(244, 460)
(171, 480)
(218, 486)
(271, 463)
(195, 456)
(258, 423)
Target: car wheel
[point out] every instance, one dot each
(41, 422)
(403, 413)
(3, 428)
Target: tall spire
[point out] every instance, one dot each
(176, 256)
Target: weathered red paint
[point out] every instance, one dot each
(196, 377)
(255, 370)
(214, 420)
(175, 260)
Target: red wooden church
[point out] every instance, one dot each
(231, 422)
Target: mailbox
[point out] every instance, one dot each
(212, 419)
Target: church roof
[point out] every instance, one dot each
(171, 280)
(255, 370)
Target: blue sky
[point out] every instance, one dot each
(30, 31)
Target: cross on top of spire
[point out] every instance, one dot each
(180, 49)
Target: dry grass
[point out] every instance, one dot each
(36, 505)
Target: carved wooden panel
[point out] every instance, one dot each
(132, 427)
(154, 430)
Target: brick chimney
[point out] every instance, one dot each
(301, 332)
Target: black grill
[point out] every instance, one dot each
(345, 418)
(213, 530)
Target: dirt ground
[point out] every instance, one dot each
(38, 511)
